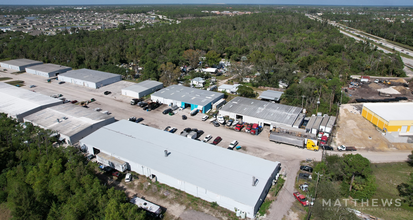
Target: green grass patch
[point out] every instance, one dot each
(16, 83)
(4, 78)
(388, 176)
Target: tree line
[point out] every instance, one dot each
(39, 181)
(281, 46)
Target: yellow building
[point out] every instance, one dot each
(390, 117)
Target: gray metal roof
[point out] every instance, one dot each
(310, 123)
(325, 121)
(331, 122)
(89, 75)
(213, 168)
(49, 67)
(299, 121)
(21, 62)
(78, 118)
(143, 86)
(188, 95)
(274, 112)
(16, 101)
(271, 95)
(317, 122)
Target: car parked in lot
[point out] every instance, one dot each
(233, 144)
(305, 176)
(248, 128)
(107, 92)
(301, 198)
(116, 173)
(184, 117)
(187, 130)
(32, 86)
(73, 101)
(205, 118)
(217, 140)
(139, 120)
(167, 111)
(128, 177)
(325, 147)
(230, 121)
(239, 127)
(90, 157)
(199, 133)
(215, 123)
(167, 128)
(173, 130)
(207, 138)
(306, 168)
(61, 82)
(133, 119)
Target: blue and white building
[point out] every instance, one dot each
(186, 97)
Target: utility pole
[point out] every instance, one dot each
(302, 101)
(315, 195)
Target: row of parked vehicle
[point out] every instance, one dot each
(252, 128)
(304, 187)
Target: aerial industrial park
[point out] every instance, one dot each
(217, 133)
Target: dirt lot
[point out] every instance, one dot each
(354, 130)
(371, 90)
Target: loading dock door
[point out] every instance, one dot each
(404, 129)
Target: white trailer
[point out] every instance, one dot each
(111, 161)
(146, 205)
(330, 124)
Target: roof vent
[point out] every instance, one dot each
(65, 118)
(167, 153)
(254, 181)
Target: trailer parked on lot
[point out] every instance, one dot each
(112, 162)
(147, 206)
(324, 123)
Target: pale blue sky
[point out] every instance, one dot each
(303, 2)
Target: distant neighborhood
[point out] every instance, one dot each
(48, 24)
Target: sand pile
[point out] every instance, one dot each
(398, 81)
(401, 89)
(389, 90)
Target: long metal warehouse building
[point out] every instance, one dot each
(209, 172)
(47, 69)
(19, 103)
(185, 97)
(19, 64)
(89, 78)
(72, 122)
(261, 112)
(142, 89)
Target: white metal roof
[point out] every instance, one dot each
(89, 75)
(48, 67)
(15, 101)
(143, 86)
(222, 171)
(271, 95)
(188, 95)
(21, 62)
(273, 112)
(392, 111)
(77, 118)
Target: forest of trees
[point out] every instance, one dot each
(281, 46)
(369, 23)
(38, 181)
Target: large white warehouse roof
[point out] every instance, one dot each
(22, 62)
(68, 119)
(392, 111)
(48, 67)
(187, 95)
(143, 86)
(88, 75)
(219, 170)
(17, 101)
(273, 112)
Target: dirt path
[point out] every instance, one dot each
(221, 82)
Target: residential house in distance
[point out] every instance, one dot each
(228, 88)
(198, 82)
